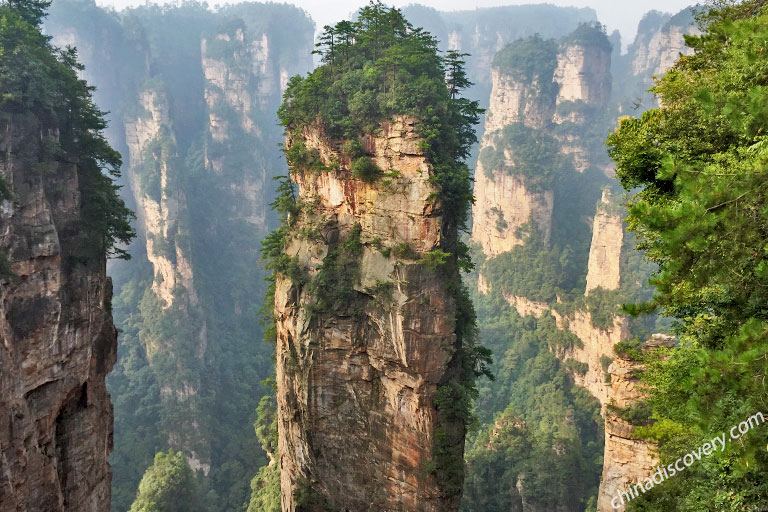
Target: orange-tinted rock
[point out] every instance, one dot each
(355, 391)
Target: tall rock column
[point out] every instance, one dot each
(507, 196)
(58, 340)
(366, 337)
(627, 459)
(176, 353)
(604, 268)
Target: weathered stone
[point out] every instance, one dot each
(355, 392)
(604, 268)
(58, 340)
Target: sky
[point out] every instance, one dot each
(615, 14)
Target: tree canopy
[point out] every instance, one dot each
(168, 486)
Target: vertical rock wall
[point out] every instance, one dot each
(604, 268)
(627, 459)
(356, 386)
(58, 340)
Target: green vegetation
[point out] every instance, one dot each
(404, 251)
(699, 163)
(589, 35)
(332, 288)
(535, 155)
(168, 486)
(577, 367)
(6, 271)
(532, 59)
(638, 414)
(265, 486)
(364, 169)
(434, 259)
(301, 158)
(538, 428)
(530, 270)
(629, 349)
(38, 79)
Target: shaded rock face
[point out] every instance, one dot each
(58, 340)
(356, 386)
(584, 74)
(161, 211)
(659, 43)
(504, 204)
(653, 54)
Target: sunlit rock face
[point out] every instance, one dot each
(58, 340)
(356, 386)
(627, 458)
(604, 268)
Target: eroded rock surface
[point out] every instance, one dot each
(58, 340)
(356, 386)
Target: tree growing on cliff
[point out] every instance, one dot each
(700, 163)
(37, 78)
(374, 68)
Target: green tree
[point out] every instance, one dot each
(39, 79)
(32, 11)
(168, 485)
(700, 163)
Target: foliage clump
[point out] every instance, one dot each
(169, 485)
(589, 35)
(532, 59)
(535, 155)
(365, 169)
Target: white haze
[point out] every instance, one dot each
(622, 15)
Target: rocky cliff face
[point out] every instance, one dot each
(658, 45)
(506, 200)
(58, 340)
(483, 32)
(627, 460)
(356, 385)
(193, 106)
(517, 100)
(604, 268)
(583, 74)
(504, 204)
(161, 212)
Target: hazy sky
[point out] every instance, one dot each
(616, 14)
